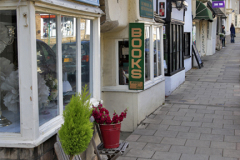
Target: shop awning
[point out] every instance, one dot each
(202, 12)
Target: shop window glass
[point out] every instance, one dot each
(147, 53)
(178, 48)
(174, 49)
(68, 30)
(46, 67)
(86, 51)
(187, 44)
(181, 46)
(155, 51)
(123, 55)
(9, 81)
(158, 44)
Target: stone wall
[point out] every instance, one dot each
(45, 151)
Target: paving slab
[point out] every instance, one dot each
(194, 157)
(166, 156)
(140, 153)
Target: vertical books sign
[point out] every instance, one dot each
(136, 56)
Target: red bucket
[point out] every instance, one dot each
(110, 135)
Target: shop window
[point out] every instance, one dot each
(9, 82)
(187, 44)
(69, 60)
(158, 54)
(123, 55)
(178, 48)
(147, 53)
(69, 54)
(86, 54)
(48, 101)
(157, 51)
(181, 47)
(173, 49)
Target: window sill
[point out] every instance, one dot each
(186, 57)
(124, 88)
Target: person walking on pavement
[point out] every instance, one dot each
(232, 30)
(223, 39)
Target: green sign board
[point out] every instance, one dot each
(136, 56)
(146, 8)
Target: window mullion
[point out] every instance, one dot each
(151, 53)
(59, 64)
(78, 42)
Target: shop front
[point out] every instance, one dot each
(177, 45)
(117, 94)
(206, 27)
(48, 51)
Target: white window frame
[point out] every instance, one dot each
(31, 134)
(152, 80)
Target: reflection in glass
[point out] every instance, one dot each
(9, 81)
(159, 51)
(123, 52)
(68, 30)
(178, 48)
(155, 51)
(181, 49)
(174, 49)
(147, 54)
(46, 67)
(86, 40)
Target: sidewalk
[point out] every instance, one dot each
(201, 118)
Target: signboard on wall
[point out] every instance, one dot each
(93, 2)
(161, 8)
(218, 4)
(146, 8)
(136, 56)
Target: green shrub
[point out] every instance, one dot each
(76, 132)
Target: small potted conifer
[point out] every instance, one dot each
(77, 130)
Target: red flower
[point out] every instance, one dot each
(101, 115)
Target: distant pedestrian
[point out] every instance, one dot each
(232, 30)
(223, 39)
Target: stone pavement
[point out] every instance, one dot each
(201, 118)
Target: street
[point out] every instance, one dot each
(200, 119)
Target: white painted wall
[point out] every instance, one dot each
(188, 64)
(176, 14)
(211, 41)
(171, 83)
(139, 104)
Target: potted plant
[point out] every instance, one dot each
(110, 128)
(77, 130)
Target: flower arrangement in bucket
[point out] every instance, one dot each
(110, 128)
(222, 35)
